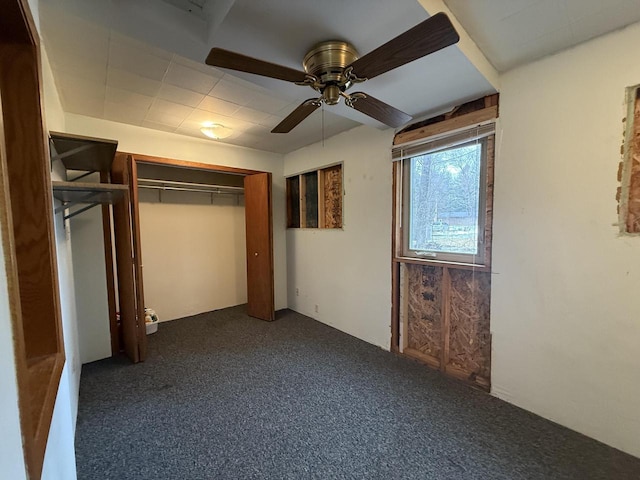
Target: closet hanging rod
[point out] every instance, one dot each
(188, 186)
(216, 191)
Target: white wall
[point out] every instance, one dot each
(90, 276)
(194, 252)
(347, 272)
(152, 142)
(565, 309)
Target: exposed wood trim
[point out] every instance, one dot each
(194, 165)
(303, 202)
(446, 316)
(26, 220)
(108, 258)
(436, 263)
(404, 307)
(448, 126)
(141, 328)
(475, 381)
(321, 200)
(422, 357)
(124, 261)
(395, 267)
(488, 221)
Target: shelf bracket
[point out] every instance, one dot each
(66, 205)
(81, 210)
(82, 176)
(73, 151)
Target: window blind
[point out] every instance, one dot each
(441, 141)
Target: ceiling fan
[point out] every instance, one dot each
(332, 67)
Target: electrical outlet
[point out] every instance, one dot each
(297, 292)
(317, 308)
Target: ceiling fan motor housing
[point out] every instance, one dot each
(327, 62)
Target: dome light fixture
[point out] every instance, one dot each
(215, 130)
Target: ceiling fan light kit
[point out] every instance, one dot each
(332, 67)
(215, 131)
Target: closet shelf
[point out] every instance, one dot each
(174, 185)
(82, 153)
(90, 194)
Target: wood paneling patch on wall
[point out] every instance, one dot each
(470, 336)
(424, 310)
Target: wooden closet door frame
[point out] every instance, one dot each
(135, 222)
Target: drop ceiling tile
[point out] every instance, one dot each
(180, 95)
(136, 61)
(240, 82)
(257, 130)
(77, 67)
(134, 43)
(76, 87)
(287, 109)
(199, 66)
(125, 97)
(65, 33)
(268, 103)
(271, 121)
(251, 115)
(217, 105)
(198, 117)
(90, 107)
(119, 112)
(124, 80)
(167, 113)
(192, 132)
(186, 77)
(158, 126)
(234, 92)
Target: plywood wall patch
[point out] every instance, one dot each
(628, 194)
(470, 336)
(424, 309)
(332, 196)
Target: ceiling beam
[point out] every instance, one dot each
(466, 44)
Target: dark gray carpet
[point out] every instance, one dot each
(226, 396)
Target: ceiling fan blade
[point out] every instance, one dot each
(373, 107)
(301, 112)
(427, 37)
(219, 57)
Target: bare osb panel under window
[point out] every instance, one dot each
(424, 311)
(469, 334)
(629, 171)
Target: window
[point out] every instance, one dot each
(314, 199)
(444, 185)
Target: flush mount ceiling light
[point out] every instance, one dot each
(215, 130)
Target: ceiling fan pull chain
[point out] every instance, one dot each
(322, 124)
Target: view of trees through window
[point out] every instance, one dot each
(444, 200)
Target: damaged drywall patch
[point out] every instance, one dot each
(628, 195)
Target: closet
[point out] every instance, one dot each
(158, 186)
